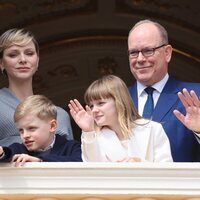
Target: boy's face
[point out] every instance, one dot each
(36, 134)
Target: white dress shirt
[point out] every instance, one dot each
(142, 95)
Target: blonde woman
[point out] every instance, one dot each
(19, 60)
(112, 130)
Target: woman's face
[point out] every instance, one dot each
(20, 62)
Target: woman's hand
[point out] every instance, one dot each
(83, 117)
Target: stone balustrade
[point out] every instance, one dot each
(100, 181)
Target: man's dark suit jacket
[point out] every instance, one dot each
(62, 151)
(184, 145)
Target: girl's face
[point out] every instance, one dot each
(104, 112)
(20, 62)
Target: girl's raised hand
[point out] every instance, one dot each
(82, 117)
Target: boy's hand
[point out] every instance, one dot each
(20, 159)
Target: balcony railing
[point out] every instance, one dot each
(100, 181)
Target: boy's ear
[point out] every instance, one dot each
(53, 124)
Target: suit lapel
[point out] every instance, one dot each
(133, 93)
(167, 99)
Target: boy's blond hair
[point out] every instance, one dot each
(39, 105)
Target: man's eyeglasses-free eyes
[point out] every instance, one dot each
(147, 52)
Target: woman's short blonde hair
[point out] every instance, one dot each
(17, 37)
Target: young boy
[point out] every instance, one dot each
(35, 119)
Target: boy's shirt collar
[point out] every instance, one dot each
(49, 147)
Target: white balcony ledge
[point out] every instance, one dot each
(88, 181)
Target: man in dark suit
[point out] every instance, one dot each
(149, 56)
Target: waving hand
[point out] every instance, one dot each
(83, 117)
(192, 105)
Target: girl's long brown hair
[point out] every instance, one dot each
(111, 86)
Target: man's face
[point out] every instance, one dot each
(148, 69)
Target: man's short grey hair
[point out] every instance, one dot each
(161, 29)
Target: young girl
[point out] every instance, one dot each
(112, 130)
